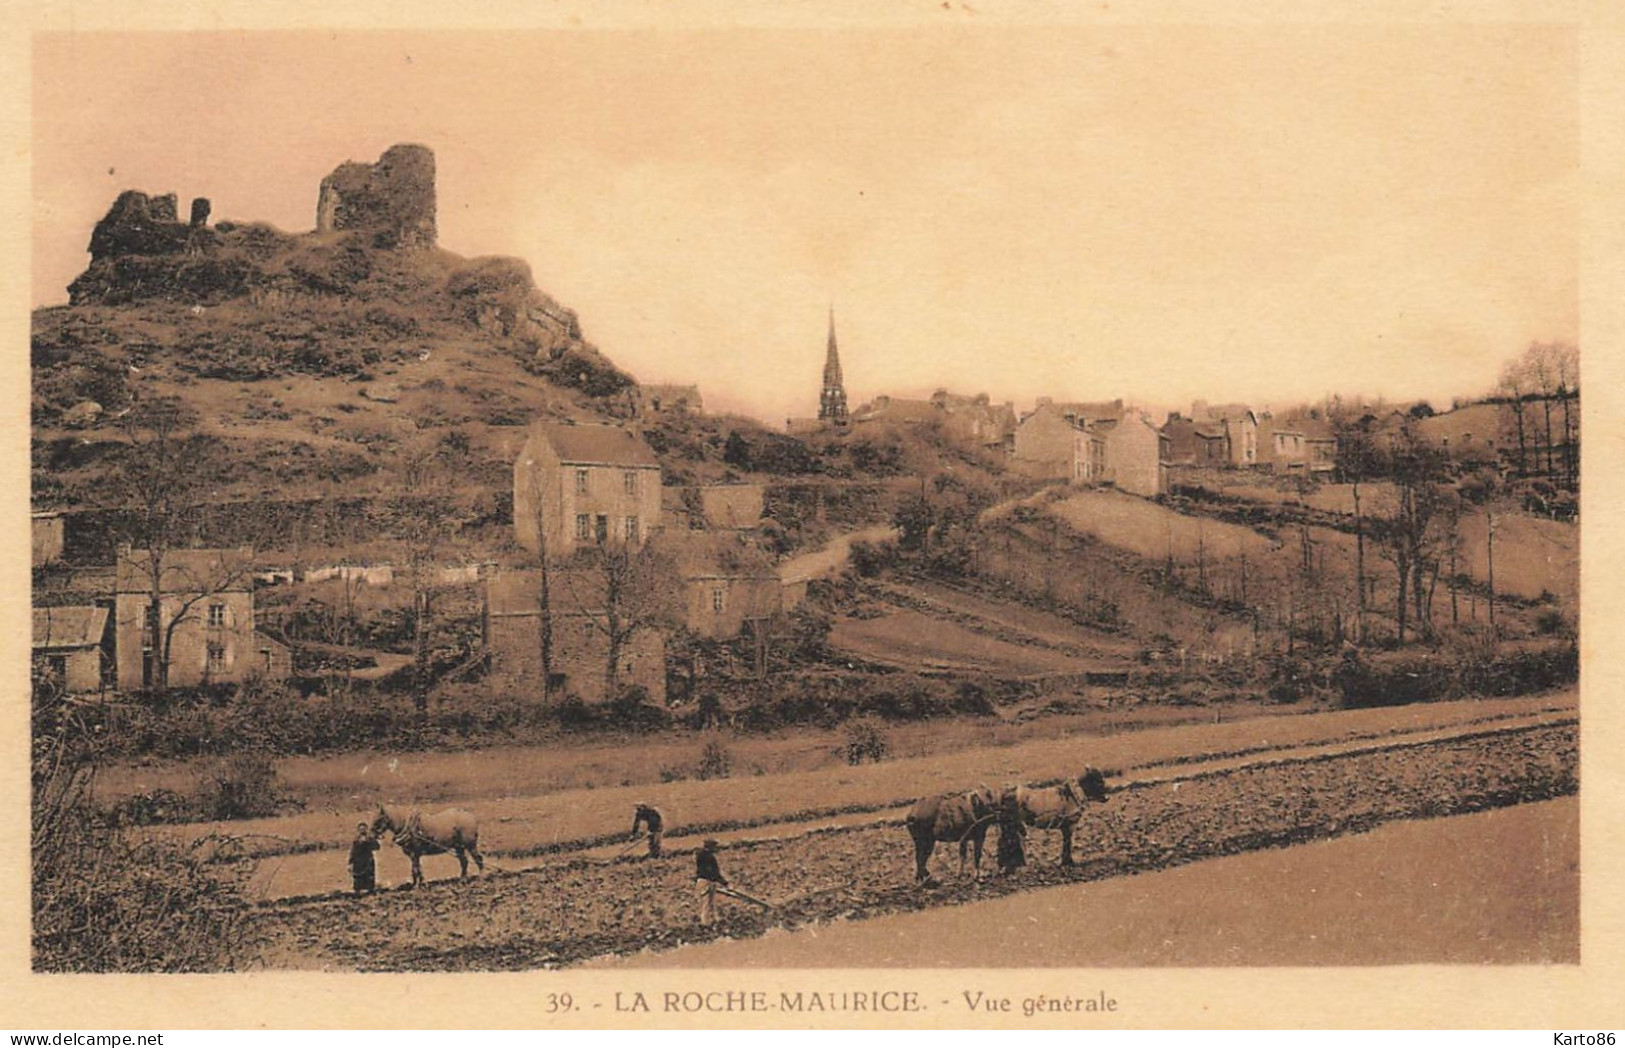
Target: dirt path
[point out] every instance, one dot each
(1497, 887)
(573, 910)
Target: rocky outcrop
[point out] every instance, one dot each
(138, 224)
(394, 199)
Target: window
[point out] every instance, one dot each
(581, 482)
(217, 615)
(266, 669)
(632, 530)
(217, 657)
(600, 529)
(630, 480)
(583, 527)
(718, 598)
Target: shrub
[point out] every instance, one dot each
(242, 786)
(865, 741)
(1550, 622)
(715, 761)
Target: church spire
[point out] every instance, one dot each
(832, 399)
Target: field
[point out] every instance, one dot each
(1153, 532)
(1496, 887)
(1180, 795)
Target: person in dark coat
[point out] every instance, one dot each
(1012, 853)
(707, 878)
(363, 864)
(648, 816)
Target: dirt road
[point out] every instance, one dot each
(574, 909)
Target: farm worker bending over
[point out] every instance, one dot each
(649, 816)
(363, 866)
(707, 877)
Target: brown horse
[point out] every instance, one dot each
(1061, 807)
(453, 830)
(962, 817)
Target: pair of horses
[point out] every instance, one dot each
(966, 817)
(417, 834)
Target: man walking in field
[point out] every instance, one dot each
(363, 865)
(707, 878)
(648, 816)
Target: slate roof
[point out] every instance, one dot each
(74, 626)
(596, 444)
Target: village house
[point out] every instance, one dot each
(1240, 426)
(728, 582)
(1050, 446)
(584, 484)
(1192, 443)
(73, 643)
(1136, 455)
(580, 645)
(1298, 445)
(204, 620)
(966, 419)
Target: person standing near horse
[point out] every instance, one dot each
(363, 864)
(1012, 853)
(647, 815)
(707, 878)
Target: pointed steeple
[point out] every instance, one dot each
(832, 399)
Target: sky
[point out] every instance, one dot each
(1245, 213)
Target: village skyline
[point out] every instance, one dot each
(976, 229)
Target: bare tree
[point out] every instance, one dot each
(162, 481)
(544, 594)
(623, 589)
(1565, 361)
(1410, 533)
(1513, 388)
(425, 514)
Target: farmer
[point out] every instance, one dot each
(707, 878)
(648, 815)
(363, 866)
(1011, 854)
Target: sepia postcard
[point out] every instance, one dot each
(937, 514)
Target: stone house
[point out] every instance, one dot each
(1050, 446)
(1299, 445)
(73, 641)
(1193, 443)
(727, 582)
(580, 650)
(585, 483)
(205, 619)
(1136, 455)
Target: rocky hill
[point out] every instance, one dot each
(315, 357)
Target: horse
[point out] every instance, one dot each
(452, 830)
(1061, 807)
(962, 817)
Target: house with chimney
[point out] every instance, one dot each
(578, 484)
(1193, 443)
(1136, 454)
(1050, 445)
(191, 610)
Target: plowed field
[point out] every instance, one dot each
(577, 907)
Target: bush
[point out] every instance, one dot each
(865, 741)
(715, 761)
(242, 786)
(871, 558)
(1550, 622)
(104, 901)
